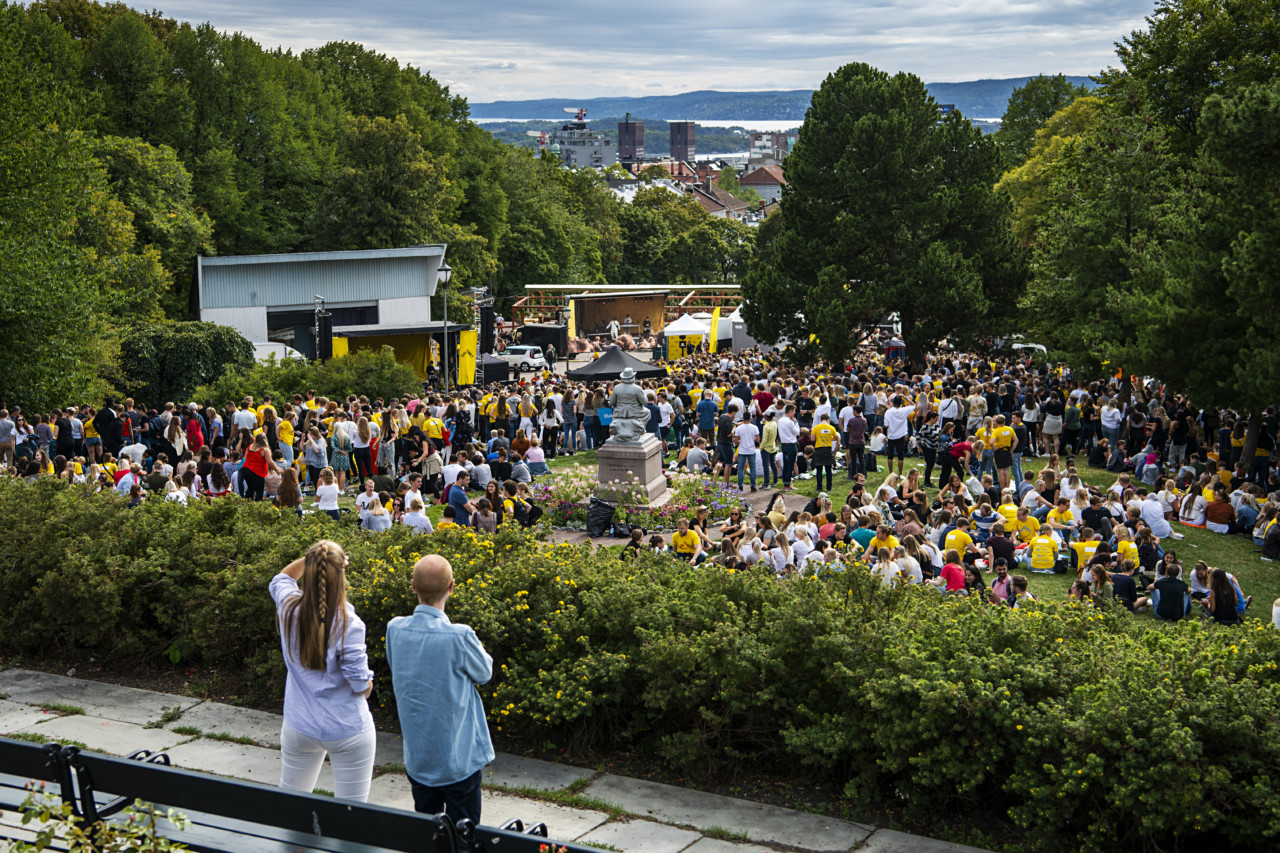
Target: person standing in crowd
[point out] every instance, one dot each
(436, 667)
(329, 680)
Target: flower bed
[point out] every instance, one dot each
(564, 496)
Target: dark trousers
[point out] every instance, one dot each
(857, 460)
(949, 465)
(824, 460)
(254, 486)
(788, 463)
(363, 464)
(459, 800)
(930, 459)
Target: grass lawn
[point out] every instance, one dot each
(1236, 554)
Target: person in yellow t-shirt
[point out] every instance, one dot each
(960, 540)
(1061, 519)
(434, 428)
(1003, 439)
(1008, 510)
(1025, 526)
(1084, 549)
(825, 435)
(1042, 554)
(687, 544)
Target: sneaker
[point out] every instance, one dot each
(753, 488)
(1247, 601)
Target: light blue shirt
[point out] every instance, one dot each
(435, 669)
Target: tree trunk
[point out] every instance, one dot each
(1251, 433)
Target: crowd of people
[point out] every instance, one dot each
(747, 419)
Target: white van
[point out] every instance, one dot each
(262, 351)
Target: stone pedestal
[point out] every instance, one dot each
(633, 465)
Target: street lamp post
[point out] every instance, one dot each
(444, 274)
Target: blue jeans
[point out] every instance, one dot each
(589, 427)
(745, 461)
(1111, 434)
(769, 460)
(788, 462)
(459, 800)
(1017, 469)
(988, 462)
(570, 429)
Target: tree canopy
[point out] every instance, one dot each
(889, 207)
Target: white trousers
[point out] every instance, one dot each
(352, 758)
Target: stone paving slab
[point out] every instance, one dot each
(101, 735)
(716, 845)
(392, 790)
(262, 727)
(892, 841)
(760, 822)
(641, 836)
(562, 822)
(126, 704)
(516, 771)
(15, 716)
(255, 763)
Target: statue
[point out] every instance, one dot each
(630, 417)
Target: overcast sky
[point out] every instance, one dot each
(498, 49)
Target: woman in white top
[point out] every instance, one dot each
(329, 680)
(173, 493)
(549, 422)
(1193, 509)
(781, 555)
(327, 494)
(416, 518)
(802, 546)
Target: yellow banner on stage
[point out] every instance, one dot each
(572, 321)
(715, 330)
(678, 346)
(435, 351)
(467, 358)
(340, 346)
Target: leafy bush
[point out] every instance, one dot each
(374, 373)
(165, 362)
(1085, 729)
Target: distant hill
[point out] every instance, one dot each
(975, 99)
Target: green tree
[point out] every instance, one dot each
(1098, 251)
(1030, 106)
(165, 362)
(153, 185)
(132, 73)
(888, 208)
(1030, 184)
(1192, 49)
(728, 181)
(389, 193)
(53, 341)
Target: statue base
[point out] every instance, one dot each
(637, 466)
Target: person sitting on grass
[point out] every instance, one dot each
(449, 518)
(1170, 596)
(686, 543)
(1220, 603)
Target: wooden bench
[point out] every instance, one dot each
(243, 817)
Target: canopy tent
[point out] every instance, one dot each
(612, 363)
(686, 325)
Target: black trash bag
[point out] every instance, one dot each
(622, 530)
(599, 517)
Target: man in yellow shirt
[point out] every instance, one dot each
(826, 439)
(960, 540)
(1061, 520)
(687, 544)
(1084, 549)
(1025, 527)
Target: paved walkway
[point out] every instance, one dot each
(245, 744)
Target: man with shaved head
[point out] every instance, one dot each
(435, 669)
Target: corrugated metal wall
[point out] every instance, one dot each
(298, 283)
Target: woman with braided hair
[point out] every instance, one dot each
(329, 680)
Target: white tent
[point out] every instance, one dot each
(686, 325)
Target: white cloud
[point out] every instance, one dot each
(584, 48)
